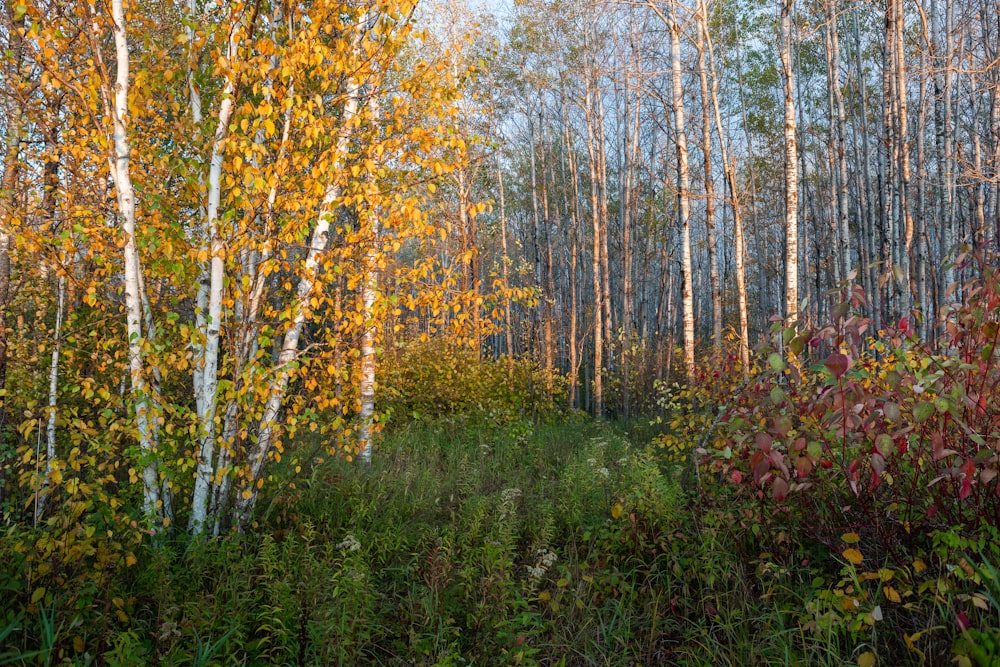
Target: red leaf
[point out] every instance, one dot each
(878, 464)
(803, 466)
(780, 489)
(968, 472)
(904, 325)
(764, 442)
(837, 364)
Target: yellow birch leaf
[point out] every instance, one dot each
(853, 555)
(867, 659)
(891, 594)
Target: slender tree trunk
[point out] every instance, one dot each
(945, 134)
(119, 163)
(50, 430)
(575, 233)
(369, 286)
(706, 140)
(791, 168)
(867, 192)
(903, 150)
(631, 148)
(841, 146)
(505, 266)
(837, 249)
(920, 226)
(213, 325)
(548, 300)
(734, 197)
(595, 210)
(683, 192)
(535, 233)
(603, 201)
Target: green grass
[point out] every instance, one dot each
(555, 543)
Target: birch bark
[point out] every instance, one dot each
(791, 167)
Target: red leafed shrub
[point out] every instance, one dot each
(873, 432)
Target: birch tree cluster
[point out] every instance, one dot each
(201, 205)
(677, 175)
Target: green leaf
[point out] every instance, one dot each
(923, 411)
(777, 363)
(814, 450)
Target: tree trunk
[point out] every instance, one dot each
(595, 210)
(739, 250)
(119, 163)
(706, 140)
(791, 168)
(213, 326)
(369, 286)
(683, 192)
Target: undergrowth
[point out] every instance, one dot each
(550, 544)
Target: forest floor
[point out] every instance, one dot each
(563, 543)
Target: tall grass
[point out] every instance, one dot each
(551, 544)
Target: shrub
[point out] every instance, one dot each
(442, 378)
(878, 446)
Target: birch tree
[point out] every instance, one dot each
(791, 189)
(115, 96)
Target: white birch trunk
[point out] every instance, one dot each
(713, 265)
(791, 168)
(120, 167)
(369, 287)
(50, 430)
(201, 299)
(210, 362)
(683, 192)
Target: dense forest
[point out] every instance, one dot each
(561, 332)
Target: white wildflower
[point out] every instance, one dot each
(536, 572)
(918, 389)
(592, 462)
(510, 495)
(349, 543)
(603, 472)
(547, 558)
